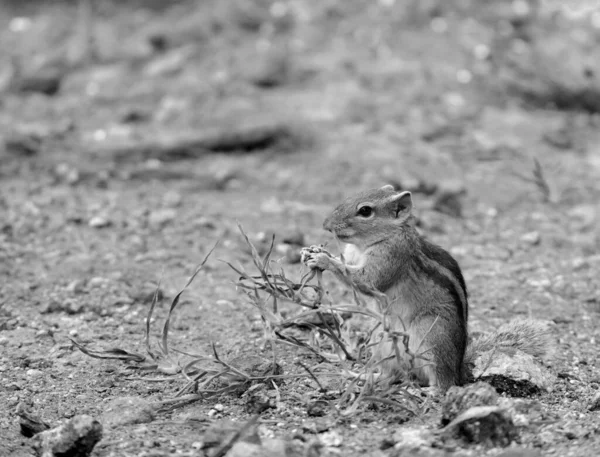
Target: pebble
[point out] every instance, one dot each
(172, 199)
(122, 411)
(97, 281)
(532, 238)
(331, 438)
(99, 222)
(412, 438)
(161, 217)
(595, 403)
(76, 437)
(219, 407)
(33, 373)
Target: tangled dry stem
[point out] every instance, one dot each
(331, 341)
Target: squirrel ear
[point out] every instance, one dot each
(388, 187)
(401, 202)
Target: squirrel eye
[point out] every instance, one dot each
(365, 211)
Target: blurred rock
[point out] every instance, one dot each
(22, 144)
(459, 399)
(559, 139)
(317, 408)
(159, 218)
(595, 403)
(258, 400)
(31, 424)
(532, 238)
(412, 438)
(170, 63)
(490, 426)
(296, 238)
(448, 199)
(45, 80)
(75, 438)
(331, 439)
(553, 63)
(123, 411)
(520, 452)
(584, 216)
(270, 69)
(219, 431)
(99, 222)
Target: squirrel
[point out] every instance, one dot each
(424, 286)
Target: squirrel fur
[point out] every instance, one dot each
(424, 286)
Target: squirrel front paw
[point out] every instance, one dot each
(315, 258)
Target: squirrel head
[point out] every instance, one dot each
(370, 216)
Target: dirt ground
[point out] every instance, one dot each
(369, 93)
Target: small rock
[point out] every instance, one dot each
(172, 199)
(31, 424)
(295, 238)
(127, 411)
(412, 438)
(204, 222)
(258, 401)
(331, 439)
(317, 425)
(97, 281)
(20, 144)
(459, 399)
(448, 199)
(219, 407)
(317, 408)
(76, 286)
(99, 222)
(169, 63)
(293, 255)
(243, 449)
(33, 373)
(157, 219)
(488, 425)
(584, 216)
(532, 238)
(520, 452)
(147, 292)
(76, 438)
(270, 69)
(45, 80)
(595, 403)
(221, 430)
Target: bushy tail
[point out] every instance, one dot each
(529, 336)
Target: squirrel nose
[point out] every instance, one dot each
(327, 225)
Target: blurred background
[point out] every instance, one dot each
(135, 133)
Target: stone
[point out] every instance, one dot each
(412, 438)
(520, 452)
(491, 426)
(99, 222)
(595, 403)
(532, 238)
(459, 399)
(122, 411)
(75, 438)
(157, 219)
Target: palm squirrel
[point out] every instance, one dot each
(424, 285)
